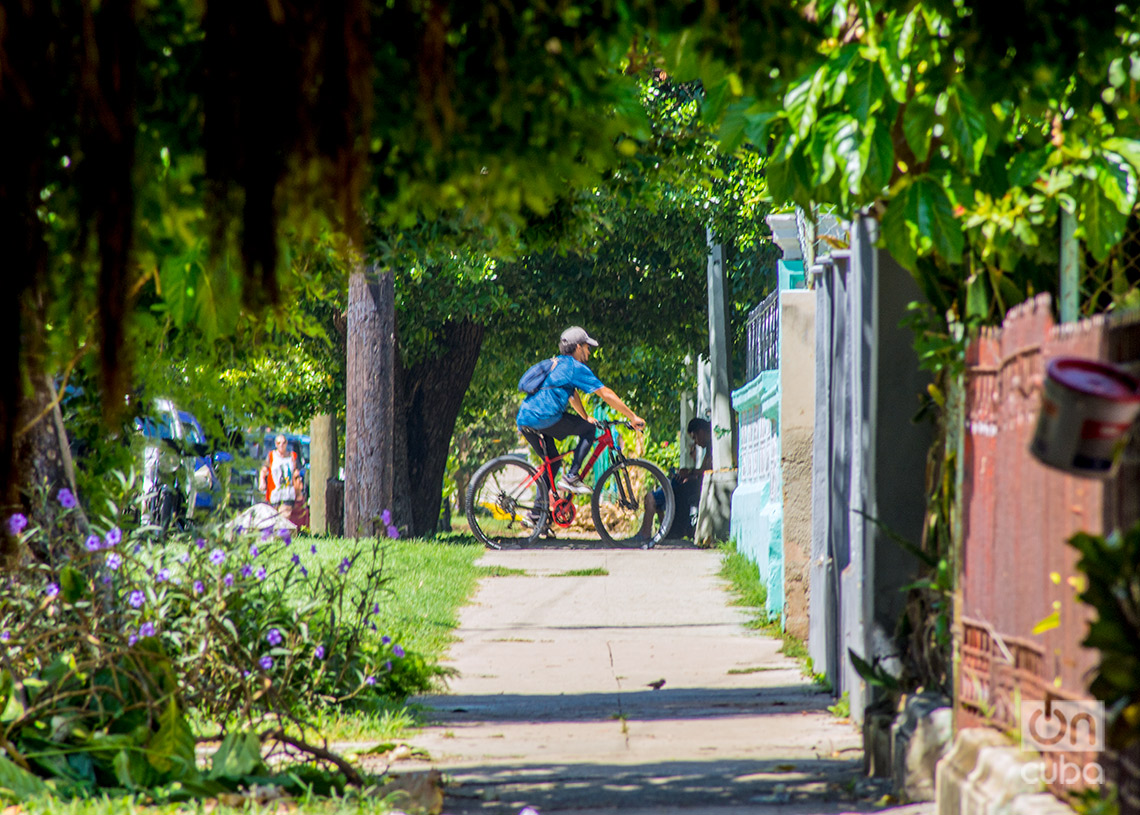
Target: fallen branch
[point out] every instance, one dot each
(350, 773)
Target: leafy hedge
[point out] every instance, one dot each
(103, 656)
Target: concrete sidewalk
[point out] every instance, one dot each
(553, 707)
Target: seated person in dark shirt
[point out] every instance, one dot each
(686, 487)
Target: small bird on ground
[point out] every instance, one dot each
(658, 685)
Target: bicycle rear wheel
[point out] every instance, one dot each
(618, 503)
(506, 503)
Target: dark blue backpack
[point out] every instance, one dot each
(531, 381)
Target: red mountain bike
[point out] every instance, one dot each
(511, 501)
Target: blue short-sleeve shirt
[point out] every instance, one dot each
(546, 406)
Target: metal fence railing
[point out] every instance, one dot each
(764, 336)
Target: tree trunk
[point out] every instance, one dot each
(369, 444)
(45, 468)
(433, 392)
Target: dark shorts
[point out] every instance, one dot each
(686, 498)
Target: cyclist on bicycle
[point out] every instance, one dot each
(543, 417)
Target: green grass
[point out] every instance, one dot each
(595, 572)
(499, 571)
(753, 670)
(354, 804)
(426, 583)
(749, 592)
(744, 577)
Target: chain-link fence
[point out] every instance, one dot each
(1113, 284)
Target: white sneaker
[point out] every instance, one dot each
(574, 484)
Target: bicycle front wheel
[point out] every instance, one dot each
(619, 504)
(506, 503)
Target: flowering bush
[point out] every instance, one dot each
(104, 653)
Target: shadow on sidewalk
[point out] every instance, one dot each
(648, 705)
(818, 786)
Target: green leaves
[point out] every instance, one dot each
(17, 784)
(918, 125)
(920, 220)
(1100, 220)
(238, 755)
(171, 749)
(867, 90)
(967, 126)
(801, 103)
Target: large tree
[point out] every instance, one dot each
(174, 140)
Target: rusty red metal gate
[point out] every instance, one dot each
(1016, 567)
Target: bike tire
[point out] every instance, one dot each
(618, 503)
(506, 504)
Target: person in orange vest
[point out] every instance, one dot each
(282, 477)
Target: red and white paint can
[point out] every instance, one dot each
(1087, 409)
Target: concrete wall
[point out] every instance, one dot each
(797, 417)
(870, 465)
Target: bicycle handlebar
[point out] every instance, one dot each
(616, 422)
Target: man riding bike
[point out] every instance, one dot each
(543, 417)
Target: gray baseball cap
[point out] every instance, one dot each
(574, 336)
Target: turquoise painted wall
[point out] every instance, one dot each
(756, 523)
(757, 520)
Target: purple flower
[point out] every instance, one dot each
(113, 536)
(253, 550)
(266, 663)
(7, 635)
(296, 559)
(376, 608)
(345, 565)
(200, 543)
(93, 543)
(388, 666)
(528, 811)
(393, 533)
(261, 573)
(386, 517)
(132, 639)
(228, 579)
(385, 640)
(286, 536)
(245, 674)
(198, 587)
(267, 533)
(67, 499)
(162, 576)
(17, 523)
(136, 599)
(184, 558)
(217, 557)
(373, 626)
(398, 650)
(52, 589)
(106, 579)
(313, 548)
(319, 653)
(274, 637)
(147, 630)
(304, 572)
(370, 680)
(114, 561)
(246, 570)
